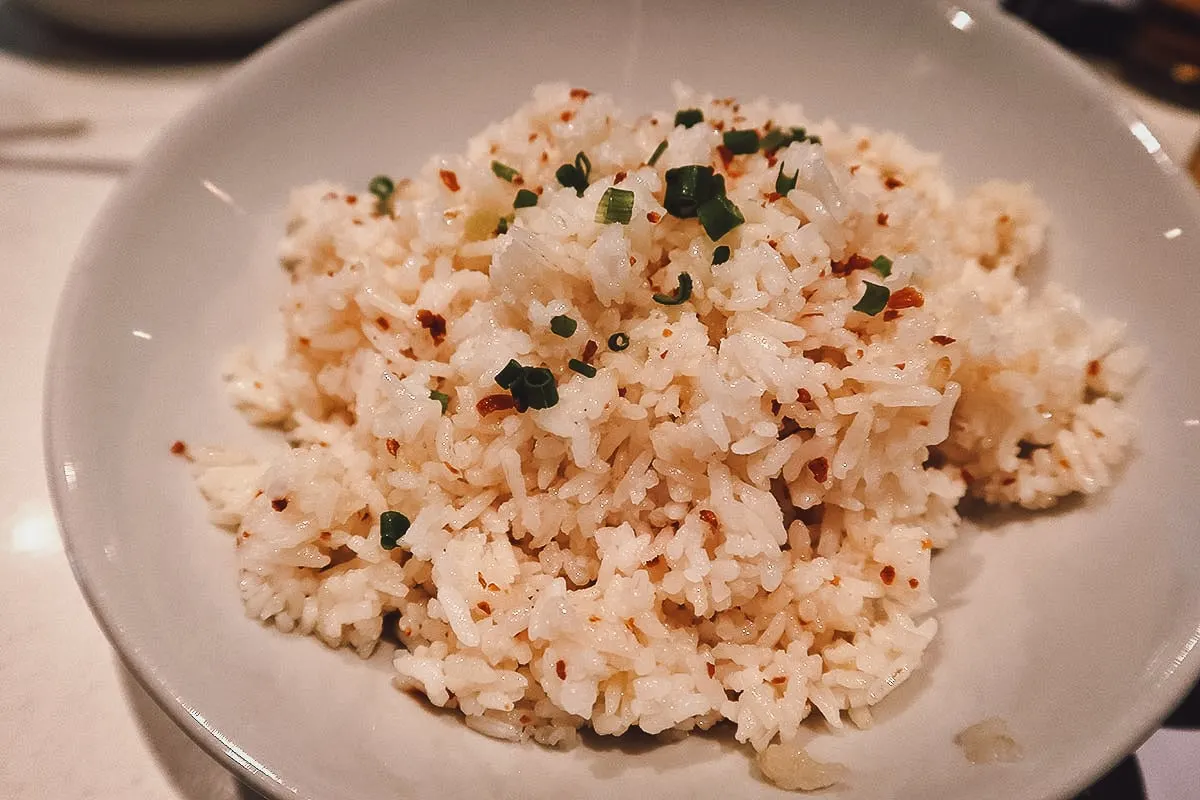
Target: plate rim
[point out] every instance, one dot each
(1145, 715)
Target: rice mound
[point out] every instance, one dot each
(734, 518)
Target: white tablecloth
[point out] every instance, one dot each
(73, 724)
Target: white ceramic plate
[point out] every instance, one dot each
(1076, 627)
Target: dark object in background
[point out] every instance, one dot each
(1123, 783)
(1164, 56)
(1095, 27)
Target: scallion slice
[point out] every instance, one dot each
(442, 398)
(525, 199)
(874, 299)
(536, 389)
(392, 527)
(773, 140)
(584, 369)
(618, 341)
(511, 373)
(719, 216)
(882, 265)
(688, 187)
(504, 171)
(502, 225)
(658, 151)
(784, 183)
(383, 188)
(680, 295)
(689, 117)
(563, 326)
(741, 142)
(575, 176)
(616, 205)
(720, 255)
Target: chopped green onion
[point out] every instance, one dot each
(575, 176)
(680, 295)
(798, 134)
(584, 369)
(525, 199)
(815, 139)
(382, 187)
(719, 216)
(873, 300)
(783, 183)
(658, 151)
(618, 341)
(616, 205)
(688, 187)
(882, 265)
(442, 398)
(563, 326)
(392, 526)
(504, 171)
(720, 255)
(741, 142)
(689, 117)
(511, 373)
(502, 225)
(535, 389)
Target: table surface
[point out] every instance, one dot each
(73, 723)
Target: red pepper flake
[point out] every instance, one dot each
(351, 199)
(580, 94)
(712, 670)
(881, 219)
(449, 179)
(779, 680)
(178, 448)
(589, 351)
(382, 323)
(942, 340)
(279, 503)
(773, 196)
(901, 365)
(835, 581)
(1062, 462)
(484, 606)
(593, 618)
(967, 477)
(567, 115)
(803, 396)
(726, 155)
(819, 467)
(533, 137)
(545, 157)
(434, 323)
(719, 124)
(653, 216)
(620, 176)
(913, 583)
(495, 402)
(1009, 481)
(855, 262)
(667, 333)
(854, 168)
(887, 575)
(776, 407)
(892, 182)
(772, 160)
(710, 518)
(621, 391)
(926, 544)
(1093, 368)
(393, 447)
(561, 670)
(890, 315)
(908, 297)
(304, 341)
(864, 145)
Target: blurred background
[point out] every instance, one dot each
(85, 87)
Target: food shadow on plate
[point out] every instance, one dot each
(193, 773)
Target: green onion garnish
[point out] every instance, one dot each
(815, 139)
(504, 171)
(618, 341)
(511, 373)
(525, 199)
(382, 187)
(784, 184)
(392, 526)
(773, 140)
(681, 293)
(658, 151)
(584, 369)
(720, 255)
(719, 216)
(689, 117)
(563, 326)
(688, 187)
(882, 265)
(616, 205)
(442, 398)
(575, 175)
(502, 225)
(741, 142)
(535, 389)
(873, 300)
